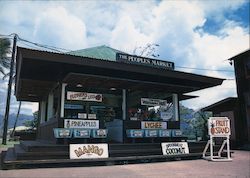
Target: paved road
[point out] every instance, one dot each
(238, 168)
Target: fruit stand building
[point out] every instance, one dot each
(103, 95)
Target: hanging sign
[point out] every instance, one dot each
(153, 125)
(85, 124)
(153, 102)
(84, 96)
(175, 148)
(144, 61)
(88, 151)
(219, 127)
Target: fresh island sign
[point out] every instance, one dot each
(144, 61)
(219, 127)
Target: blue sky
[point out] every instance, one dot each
(193, 34)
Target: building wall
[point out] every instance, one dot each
(242, 72)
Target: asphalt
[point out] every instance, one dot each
(238, 168)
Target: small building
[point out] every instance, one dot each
(103, 88)
(103, 95)
(228, 107)
(242, 75)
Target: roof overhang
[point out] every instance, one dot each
(227, 104)
(37, 72)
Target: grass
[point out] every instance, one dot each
(8, 144)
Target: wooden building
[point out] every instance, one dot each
(103, 95)
(242, 75)
(229, 108)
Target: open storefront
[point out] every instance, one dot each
(118, 99)
(106, 97)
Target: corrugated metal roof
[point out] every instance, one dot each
(100, 52)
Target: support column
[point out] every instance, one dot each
(50, 111)
(176, 107)
(62, 99)
(124, 104)
(42, 105)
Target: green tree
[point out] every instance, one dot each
(5, 49)
(33, 123)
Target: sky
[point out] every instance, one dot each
(192, 34)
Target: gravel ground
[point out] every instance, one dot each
(238, 168)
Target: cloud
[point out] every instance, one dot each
(177, 26)
(64, 30)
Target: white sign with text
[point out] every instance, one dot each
(219, 127)
(175, 148)
(77, 123)
(88, 151)
(84, 96)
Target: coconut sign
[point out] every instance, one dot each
(219, 127)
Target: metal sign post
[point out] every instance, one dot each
(218, 127)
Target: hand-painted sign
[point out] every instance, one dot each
(175, 148)
(77, 123)
(153, 102)
(153, 125)
(144, 61)
(88, 151)
(219, 127)
(84, 96)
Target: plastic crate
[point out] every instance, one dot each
(81, 133)
(164, 133)
(176, 133)
(99, 133)
(62, 133)
(150, 133)
(135, 133)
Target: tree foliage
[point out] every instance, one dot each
(5, 49)
(32, 123)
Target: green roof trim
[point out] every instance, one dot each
(99, 52)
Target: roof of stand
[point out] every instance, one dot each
(99, 52)
(38, 72)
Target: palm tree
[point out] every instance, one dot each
(4, 51)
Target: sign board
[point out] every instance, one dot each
(91, 116)
(77, 123)
(153, 125)
(82, 115)
(144, 61)
(73, 106)
(174, 148)
(153, 102)
(219, 127)
(84, 96)
(88, 151)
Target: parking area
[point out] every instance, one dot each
(239, 167)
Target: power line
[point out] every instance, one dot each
(62, 50)
(44, 46)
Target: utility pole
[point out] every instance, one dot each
(6, 116)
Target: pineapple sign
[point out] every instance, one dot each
(219, 127)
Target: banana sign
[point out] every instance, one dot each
(219, 127)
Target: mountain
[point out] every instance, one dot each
(21, 120)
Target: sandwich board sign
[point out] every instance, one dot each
(218, 127)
